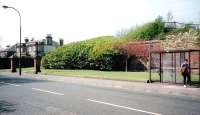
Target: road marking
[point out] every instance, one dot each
(52, 92)
(60, 80)
(118, 86)
(11, 84)
(124, 107)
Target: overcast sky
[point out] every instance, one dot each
(75, 20)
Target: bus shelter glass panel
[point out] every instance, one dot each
(167, 67)
(155, 66)
(194, 65)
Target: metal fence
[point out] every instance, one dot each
(174, 25)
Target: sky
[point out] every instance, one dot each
(75, 20)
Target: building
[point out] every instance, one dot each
(32, 48)
(9, 51)
(35, 48)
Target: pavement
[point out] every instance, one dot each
(58, 95)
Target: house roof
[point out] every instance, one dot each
(11, 48)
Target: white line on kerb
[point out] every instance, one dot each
(124, 107)
(42, 90)
(11, 84)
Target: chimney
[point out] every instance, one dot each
(49, 39)
(26, 40)
(61, 42)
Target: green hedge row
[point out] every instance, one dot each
(101, 53)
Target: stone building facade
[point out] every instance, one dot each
(35, 48)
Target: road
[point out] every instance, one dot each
(36, 96)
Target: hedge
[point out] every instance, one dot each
(102, 53)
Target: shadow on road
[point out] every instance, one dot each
(18, 80)
(6, 107)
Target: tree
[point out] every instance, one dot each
(148, 31)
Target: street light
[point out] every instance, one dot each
(20, 31)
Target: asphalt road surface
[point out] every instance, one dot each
(34, 96)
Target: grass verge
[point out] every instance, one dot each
(115, 75)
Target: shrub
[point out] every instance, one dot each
(148, 31)
(98, 53)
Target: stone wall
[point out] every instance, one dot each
(180, 41)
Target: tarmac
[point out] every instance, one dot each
(155, 87)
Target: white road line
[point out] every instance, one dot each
(124, 107)
(60, 80)
(46, 91)
(11, 84)
(118, 86)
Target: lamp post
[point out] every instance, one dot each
(20, 31)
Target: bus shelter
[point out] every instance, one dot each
(164, 66)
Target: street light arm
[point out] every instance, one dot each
(5, 7)
(16, 11)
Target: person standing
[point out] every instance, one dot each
(185, 71)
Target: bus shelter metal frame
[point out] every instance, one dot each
(173, 60)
